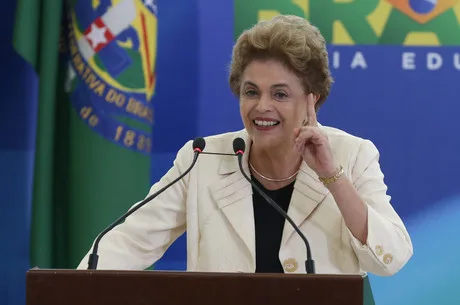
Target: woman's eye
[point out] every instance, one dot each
(280, 95)
(250, 93)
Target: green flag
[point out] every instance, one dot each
(95, 61)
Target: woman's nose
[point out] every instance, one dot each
(265, 103)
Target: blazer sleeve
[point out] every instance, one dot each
(146, 234)
(388, 246)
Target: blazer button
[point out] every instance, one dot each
(387, 258)
(290, 265)
(378, 250)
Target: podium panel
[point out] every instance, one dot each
(97, 287)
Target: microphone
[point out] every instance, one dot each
(198, 146)
(239, 147)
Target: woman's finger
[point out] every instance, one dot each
(312, 119)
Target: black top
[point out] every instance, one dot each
(269, 226)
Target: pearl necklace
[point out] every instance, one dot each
(272, 179)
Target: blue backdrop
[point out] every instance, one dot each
(411, 116)
(17, 125)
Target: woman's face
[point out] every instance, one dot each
(272, 104)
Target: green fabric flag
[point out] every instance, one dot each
(95, 62)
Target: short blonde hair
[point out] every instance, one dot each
(293, 41)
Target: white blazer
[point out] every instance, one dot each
(213, 203)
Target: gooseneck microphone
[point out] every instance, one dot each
(239, 147)
(198, 146)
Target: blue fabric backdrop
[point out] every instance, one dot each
(17, 126)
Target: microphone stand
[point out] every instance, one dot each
(93, 257)
(309, 263)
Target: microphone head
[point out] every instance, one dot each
(199, 144)
(239, 146)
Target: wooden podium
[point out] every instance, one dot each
(98, 287)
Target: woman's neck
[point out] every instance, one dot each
(274, 164)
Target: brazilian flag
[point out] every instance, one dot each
(95, 61)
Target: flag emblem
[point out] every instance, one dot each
(112, 68)
(423, 11)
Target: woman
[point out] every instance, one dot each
(329, 182)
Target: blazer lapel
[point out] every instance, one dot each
(233, 195)
(308, 193)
